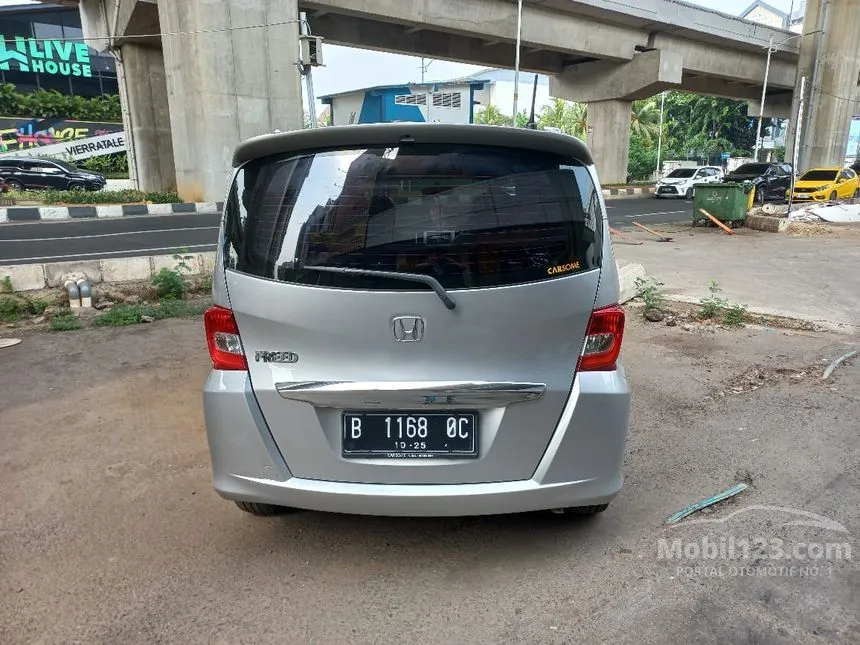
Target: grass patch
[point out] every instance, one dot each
(713, 304)
(124, 315)
(94, 197)
(37, 306)
(66, 322)
(6, 285)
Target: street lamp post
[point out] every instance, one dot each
(660, 133)
(517, 61)
(763, 96)
(771, 48)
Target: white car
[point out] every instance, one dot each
(680, 182)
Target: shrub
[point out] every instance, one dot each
(10, 308)
(735, 315)
(95, 197)
(649, 291)
(37, 306)
(6, 285)
(712, 304)
(170, 284)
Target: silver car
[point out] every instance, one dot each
(416, 319)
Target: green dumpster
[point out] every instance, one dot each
(728, 202)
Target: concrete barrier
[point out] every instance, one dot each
(766, 223)
(628, 193)
(32, 277)
(627, 276)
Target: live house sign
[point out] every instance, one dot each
(57, 57)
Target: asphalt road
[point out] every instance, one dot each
(91, 239)
(111, 532)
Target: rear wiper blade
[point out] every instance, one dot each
(432, 282)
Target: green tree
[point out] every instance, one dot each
(645, 120)
(568, 117)
(491, 115)
(643, 157)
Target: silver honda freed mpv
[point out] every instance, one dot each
(415, 319)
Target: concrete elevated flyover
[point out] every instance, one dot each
(229, 67)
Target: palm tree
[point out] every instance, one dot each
(491, 115)
(568, 117)
(645, 119)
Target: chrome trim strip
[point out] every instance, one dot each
(400, 394)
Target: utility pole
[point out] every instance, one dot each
(660, 133)
(517, 61)
(796, 152)
(763, 96)
(307, 70)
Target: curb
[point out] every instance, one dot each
(627, 276)
(627, 193)
(55, 213)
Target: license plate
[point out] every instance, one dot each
(398, 435)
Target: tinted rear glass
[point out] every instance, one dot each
(819, 175)
(751, 169)
(679, 173)
(470, 216)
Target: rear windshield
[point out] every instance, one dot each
(819, 175)
(469, 216)
(751, 169)
(682, 173)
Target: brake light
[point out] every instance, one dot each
(222, 336)
(603, 340)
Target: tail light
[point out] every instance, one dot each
(603, 340)
(222, 336)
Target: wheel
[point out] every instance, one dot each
(256, 508)
(581, 511)
(759, 196)
(833, 196)
(857, 194)
(74, 186)
(14, 184)
(689, 194)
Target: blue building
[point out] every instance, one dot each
(438, 102)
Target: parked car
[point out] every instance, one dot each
(771, 180)
(26, 173)
(827, 184)
(855, 166)
(680, 182)
(416, 319)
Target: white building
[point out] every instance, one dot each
(766, 14)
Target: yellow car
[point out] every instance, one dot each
(826, 184)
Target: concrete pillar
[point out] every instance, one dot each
(144, 92)
(608, 138)
(805, 64)
(227, 84)
(836, 87)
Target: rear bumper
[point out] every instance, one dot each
(581, 466)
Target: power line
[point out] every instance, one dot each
(835, 96)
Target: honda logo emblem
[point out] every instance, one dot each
(408, 329)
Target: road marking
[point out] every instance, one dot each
(95, 235)
(649, 214)
(103, 253)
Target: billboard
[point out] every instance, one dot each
(19, 134)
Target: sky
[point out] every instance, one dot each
(347, 68)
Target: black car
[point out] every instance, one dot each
(27, 173)
(771, 180)
(855, 166)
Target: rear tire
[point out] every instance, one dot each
(759, 197)
(14, 184)
(857, 194)
(689, 194)
(264, 510)
(833, 196)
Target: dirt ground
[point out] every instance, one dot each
(110, 532)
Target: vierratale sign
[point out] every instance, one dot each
(57, 57)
